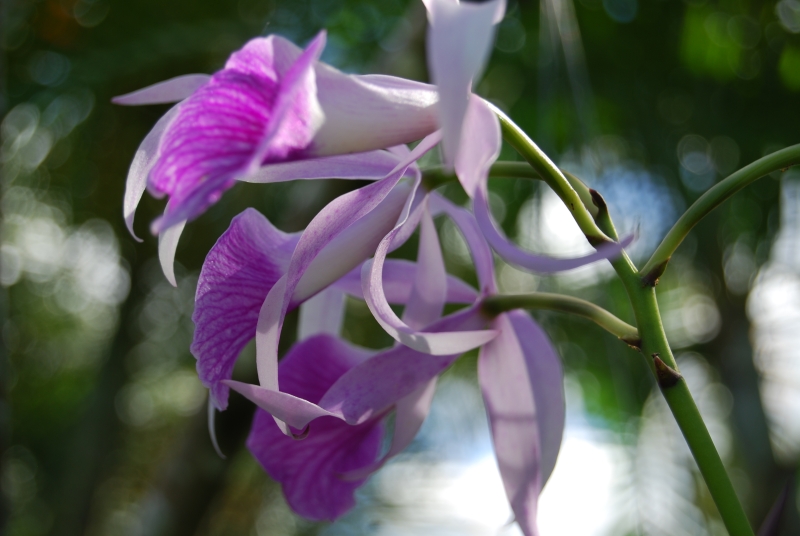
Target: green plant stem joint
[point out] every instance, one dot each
(666, 376)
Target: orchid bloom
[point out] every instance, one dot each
(335, 396)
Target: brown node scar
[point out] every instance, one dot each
(666, 375)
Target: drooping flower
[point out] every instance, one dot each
(273, 102)
(519, 372)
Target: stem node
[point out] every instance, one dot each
(667, 376)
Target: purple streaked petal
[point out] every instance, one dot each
(521, 379)
(525, 260)
(297, 115)
(459, 41)
(324, 230)
(237, 274)
(167, 246)
(143, 162)
(323, 313)
(372, 165)
(480, 145)
(230, 126)
(309, 470)
(481, 252)
(172, 90)
(398, 278)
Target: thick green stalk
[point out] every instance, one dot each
(654, 345)
(710, 200)
(656, 350)
(495, 305)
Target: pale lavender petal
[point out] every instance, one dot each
(372, 165)
(237, 274)
(172, 90)
(143, 162)
(460, 36)
(426, 302)
(548, 386)
(167, 246)
(229, 128)
(480, 145)
(324, 313)
(353, 244)
(522, 420)
(526, 260)
(382, 380)
(309, 470)
(398, 279)
(410, 413)
(434, 343)
(369, 112)
(324, 231)
(479, 250)
(412, 336)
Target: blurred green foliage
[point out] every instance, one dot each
(103, 426)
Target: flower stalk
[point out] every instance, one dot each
(654, 345)
(494, 305)
(710, 200)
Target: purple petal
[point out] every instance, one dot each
(237, 274)
(382, 380)
(410, 413)
(363, 113)
(423, 341)
(310, 470)
(324, 313)
(459, 41)
(373, 165)
(325, 232)
(481, 253)
(525, 260)
(480, 145)
(429, 292)
(521, 379)
(172, 90)
(143, 162)
(229, 127)
(398, 279)
(548, 387)
(368, 389)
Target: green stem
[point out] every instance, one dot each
(495, 305)
(553, 176)
(656, 350)
(710, 200)
(654, 345)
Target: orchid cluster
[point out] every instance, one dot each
(276, 113)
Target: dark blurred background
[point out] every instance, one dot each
(102, 418)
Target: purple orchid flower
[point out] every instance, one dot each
(335, 396)
(273, 102)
